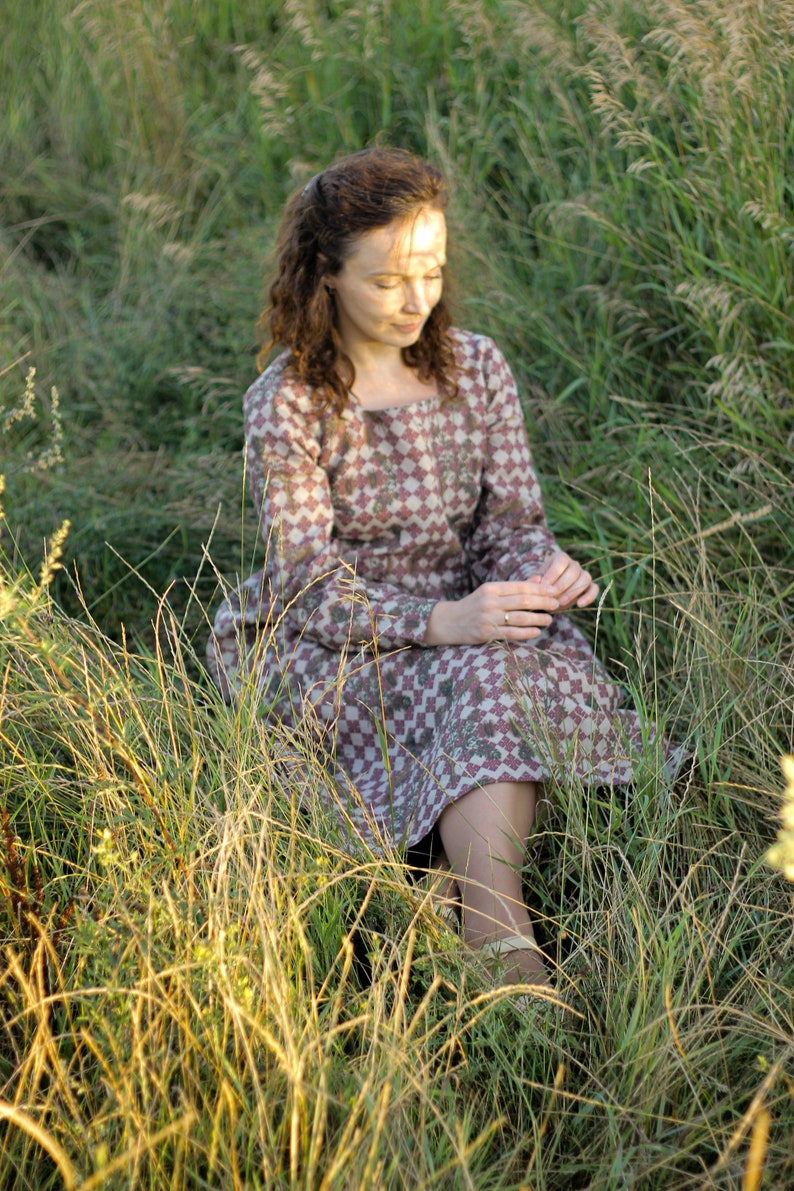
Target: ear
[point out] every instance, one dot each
(322, 272)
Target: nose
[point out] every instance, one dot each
(414, 298)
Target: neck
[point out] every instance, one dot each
(371, 358)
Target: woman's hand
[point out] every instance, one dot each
(494, 612)
(512, 611)
(568, 581)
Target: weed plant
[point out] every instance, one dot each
(203, 982)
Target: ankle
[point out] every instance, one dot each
(517, 959)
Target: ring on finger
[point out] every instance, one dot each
(507, 618)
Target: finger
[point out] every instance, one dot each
(538, 583)
(526, 597)
(574, 583)
(583, 590)
(556, 568)
(538, 601)
(520, 620)
(512, 612)
(516, 635)
(575, 576)
(502, 588)
(588, 597)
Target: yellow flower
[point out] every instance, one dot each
(787, 765)
(781, 854)
(104, 851)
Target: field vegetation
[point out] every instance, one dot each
(201, 985)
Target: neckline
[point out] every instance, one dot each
(390, 409)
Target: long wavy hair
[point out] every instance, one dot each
(321, 222)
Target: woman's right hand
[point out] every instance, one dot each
(516, 611)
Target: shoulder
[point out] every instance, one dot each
(276, 398)
(478, 359)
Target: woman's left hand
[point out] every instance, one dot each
(570, 582)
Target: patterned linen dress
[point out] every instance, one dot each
(370, 518)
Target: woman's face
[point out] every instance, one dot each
(390, 282)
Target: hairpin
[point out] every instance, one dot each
(310, 183)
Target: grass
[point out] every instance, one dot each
(203, 986)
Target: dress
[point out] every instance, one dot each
(370, 518)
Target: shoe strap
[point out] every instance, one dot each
(512, 943)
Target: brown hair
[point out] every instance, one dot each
(356, 195)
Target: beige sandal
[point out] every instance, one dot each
(511, 943)
(446, 910)
(500, 947)
(546, 995)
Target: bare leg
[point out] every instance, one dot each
(443, 888)
(442, 879)
(484, 835)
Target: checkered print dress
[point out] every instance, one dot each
(370, 518)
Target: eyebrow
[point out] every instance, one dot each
(387, 273)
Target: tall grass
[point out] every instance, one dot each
(200, 985)
(203, 985)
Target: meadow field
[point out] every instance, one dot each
(201, 986)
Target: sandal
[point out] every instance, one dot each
(512, 943)
(543, 996)
(500, 947)
(446, 911)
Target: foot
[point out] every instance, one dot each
(521, 960)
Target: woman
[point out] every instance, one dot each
(408, 552)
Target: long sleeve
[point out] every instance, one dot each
(509, 539)
(314, 575)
